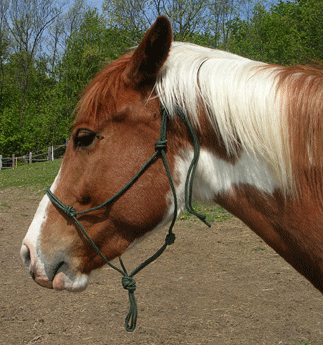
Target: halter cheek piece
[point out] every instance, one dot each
(160, 147)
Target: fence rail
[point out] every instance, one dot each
(13, 161)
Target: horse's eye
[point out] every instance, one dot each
(84, 138)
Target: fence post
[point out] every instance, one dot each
(0, 162)
(49, 153)
(30, 158)
(13, 161)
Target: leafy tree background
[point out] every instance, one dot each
(50, 49)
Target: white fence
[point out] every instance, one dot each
(53, 152)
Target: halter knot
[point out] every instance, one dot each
(170, 238)
(161, 145)
(69, 211)
(129, 283)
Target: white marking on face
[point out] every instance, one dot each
(40, 216)
(58, 272)
(30, 242)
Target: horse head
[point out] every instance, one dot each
(117, 125)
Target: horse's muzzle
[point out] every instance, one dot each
(58, 277)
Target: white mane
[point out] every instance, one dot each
(240, 98)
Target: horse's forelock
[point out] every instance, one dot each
(99, 98)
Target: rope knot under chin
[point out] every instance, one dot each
(129, 283)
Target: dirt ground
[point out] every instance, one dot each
(212, 286)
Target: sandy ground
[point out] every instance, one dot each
(213, 286)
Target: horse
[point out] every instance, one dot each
(260, 156)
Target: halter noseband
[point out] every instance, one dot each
(160, 147)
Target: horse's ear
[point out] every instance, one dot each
(150, 55)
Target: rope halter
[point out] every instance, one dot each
(160, 147)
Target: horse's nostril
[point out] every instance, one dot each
(25, 255)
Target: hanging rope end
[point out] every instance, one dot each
(203, 219)
(207, 223)
(129, 284)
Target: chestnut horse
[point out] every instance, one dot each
(260, 131)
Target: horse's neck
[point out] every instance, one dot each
(293, 228)
(247, 188)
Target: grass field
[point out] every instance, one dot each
(38, 175)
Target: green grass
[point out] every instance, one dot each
(38, 175)
(213, 213)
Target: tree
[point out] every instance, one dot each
(4, 43)
(311, 27)
(132, 16)
(187, 16)
(29, 72)
(272, 36)
(28, 19)
(222, 13)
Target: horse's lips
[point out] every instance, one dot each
(59, 282)
(44, 282)
(64, 281)
(61, 279)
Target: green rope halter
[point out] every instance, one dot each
(160, 147)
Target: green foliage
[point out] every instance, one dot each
(269, 36)
(43, 115)
(311, 28)
(288, 33)
(88, 50)
(37, 96)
